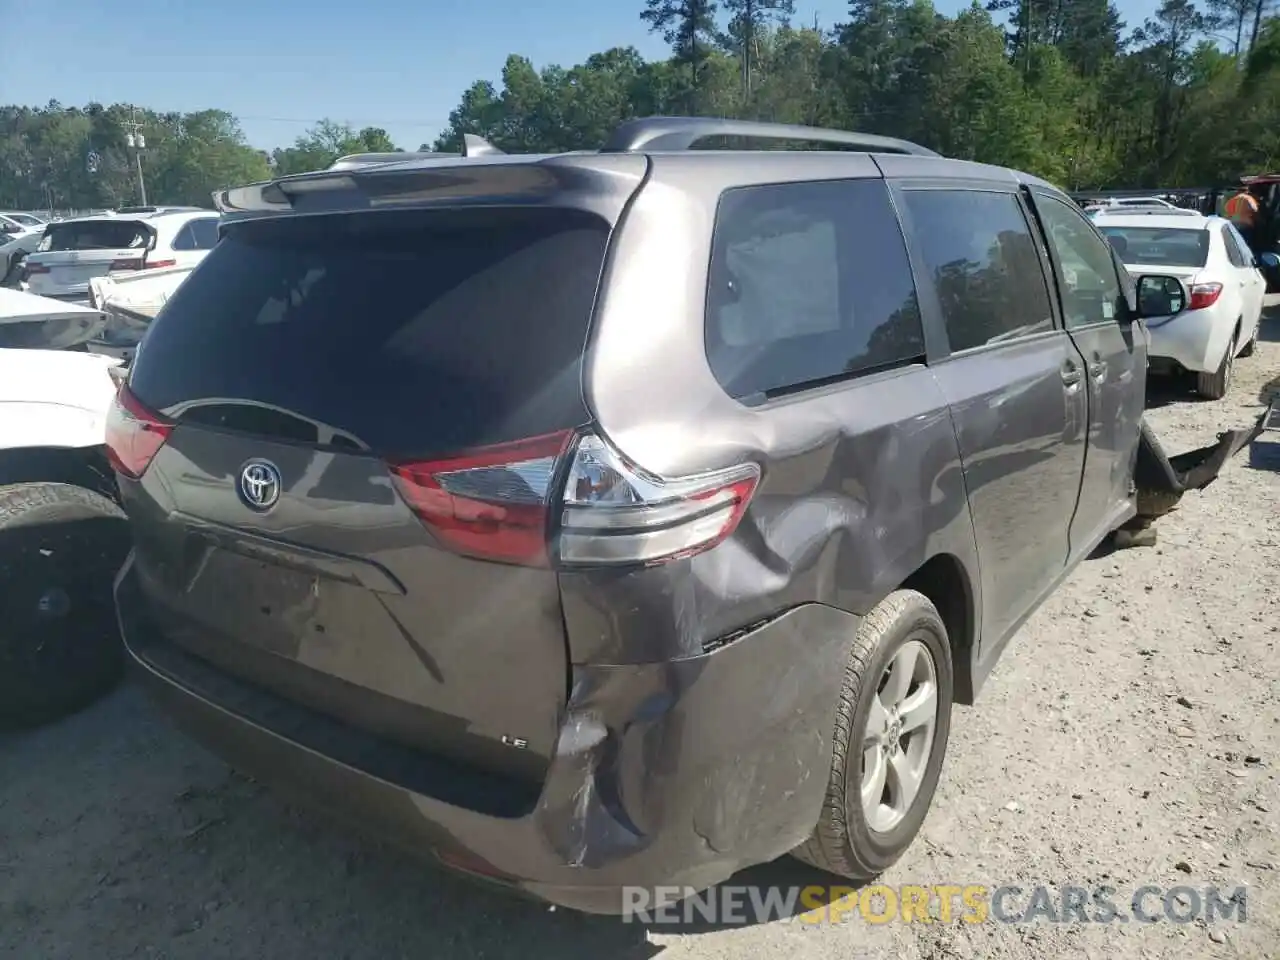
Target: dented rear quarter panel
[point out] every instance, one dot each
(862, 480)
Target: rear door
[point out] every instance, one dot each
(304, 358)
(1114, 348)
(1015, 383)
(73, 252)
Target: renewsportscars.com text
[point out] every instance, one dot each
(945, 903)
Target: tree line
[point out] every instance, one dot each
(1062, 88)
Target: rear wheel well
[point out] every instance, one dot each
(943, 580)
(85, 467)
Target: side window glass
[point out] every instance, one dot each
(983, 260)
(808, 282)
(204, 233)
(1242, 246)
(184, 240)
(1233, 251)
(1090, 284)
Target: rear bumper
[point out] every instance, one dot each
(673, 774)
(1195, 341)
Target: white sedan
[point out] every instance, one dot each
(1220, 321)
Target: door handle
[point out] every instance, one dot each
(1070, 375)
(1098, 371)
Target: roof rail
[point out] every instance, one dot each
(681, 133)
(1151, 211)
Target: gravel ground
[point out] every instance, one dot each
(1130, 736)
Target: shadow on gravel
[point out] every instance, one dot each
(121, 838)
(1162, 391)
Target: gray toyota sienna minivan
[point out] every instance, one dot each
(621, 518)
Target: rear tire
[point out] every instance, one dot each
(904, 627)
(60, 549)
(1214, 386)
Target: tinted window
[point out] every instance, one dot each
(95, 235)
(809, 281)
(1087, 274)
(411, 334)
(184, 239)
(1160, 246)
(984, 263)
(204, 233)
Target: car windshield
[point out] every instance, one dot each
(1165, 246)
(25, 219)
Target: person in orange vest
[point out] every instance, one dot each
(1243, 210)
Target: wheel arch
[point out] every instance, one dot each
(944, 579)
(78, 466)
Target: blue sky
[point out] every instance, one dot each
(280, 65)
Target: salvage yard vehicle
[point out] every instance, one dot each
(1203, 336)
(17, 241)
(62, 535)
(73, 252)
(626, 517)
(129, 302)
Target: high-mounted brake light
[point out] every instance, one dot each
(503, 503)
(1204, 295)
(134, 434)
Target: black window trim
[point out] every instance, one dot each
(936, 336)
(1040, 195)
(839, 380)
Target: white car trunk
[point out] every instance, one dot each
(27, 320)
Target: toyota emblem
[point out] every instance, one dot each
(260, 485)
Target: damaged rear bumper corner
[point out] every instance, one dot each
(1161, 480)
(672, 774)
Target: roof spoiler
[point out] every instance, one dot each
(632, 136)
(472, 146)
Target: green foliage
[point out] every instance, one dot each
(68, 157)
(1065, 90)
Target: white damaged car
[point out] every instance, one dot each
(62, 535)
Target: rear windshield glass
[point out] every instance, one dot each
(404, 334)
(1159, 246)
(95, 235)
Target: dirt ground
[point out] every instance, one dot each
(1130, 736)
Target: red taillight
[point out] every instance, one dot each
(133, 264)
(156, 264)
(492, 502)
(503, 503)
(134, 434)
(1204, 295)
(33, 268)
